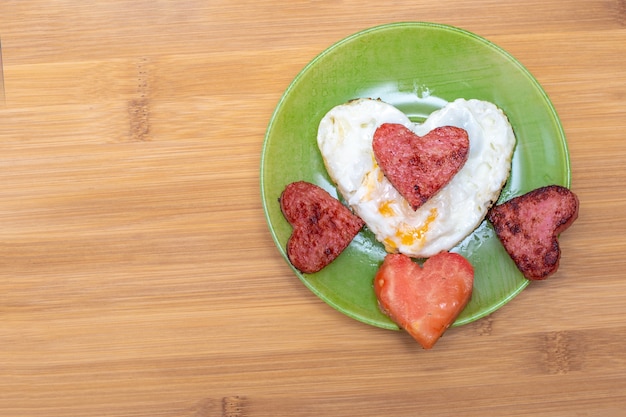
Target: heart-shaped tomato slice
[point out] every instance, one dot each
(424, 300)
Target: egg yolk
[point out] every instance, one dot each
(370, 181)
(390, 245)
(385, 209)
(408, 237)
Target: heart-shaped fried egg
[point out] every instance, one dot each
(345, 140)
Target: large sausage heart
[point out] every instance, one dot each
(419, 166)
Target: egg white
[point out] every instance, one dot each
(345, 141)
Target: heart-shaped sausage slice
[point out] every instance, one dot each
(322, 226)
(419, 166)
(424, 300)
(528, 227)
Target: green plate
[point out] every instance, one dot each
(415, 67)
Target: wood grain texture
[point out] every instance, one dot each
(137, 274)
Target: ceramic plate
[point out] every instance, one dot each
(416, 67)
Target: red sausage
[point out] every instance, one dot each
(322, 226)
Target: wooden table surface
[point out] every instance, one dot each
(138, 276)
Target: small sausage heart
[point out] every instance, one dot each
(322, 226)
(419, 166)
(424, 300)
(528, 227)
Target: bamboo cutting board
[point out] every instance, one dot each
(138, 276)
